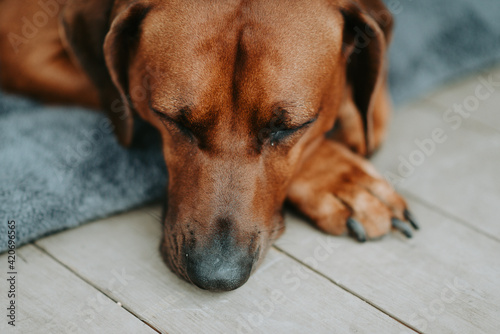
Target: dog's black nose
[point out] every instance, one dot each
(222, 266)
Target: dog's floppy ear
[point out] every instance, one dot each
(367, 30)
(101, 36)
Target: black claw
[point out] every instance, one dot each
(411, 218)
(402, 226)
(357, 229)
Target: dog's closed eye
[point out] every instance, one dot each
(179, 124)
(282, 134)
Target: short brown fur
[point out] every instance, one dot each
(220, 80)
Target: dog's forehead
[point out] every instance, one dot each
(257, 53)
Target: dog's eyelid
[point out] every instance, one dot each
(182, 111)
(312, 120)
(177, 123)
(157, 111)
(166, 117)
(160, 114)
(282, 134)
(303, 125)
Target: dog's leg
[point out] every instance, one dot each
(340, 190)
(33, 60)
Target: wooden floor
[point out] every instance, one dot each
(107, 276)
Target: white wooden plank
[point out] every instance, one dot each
(459, 176)
(52, 299)
(275, 299)
(479, 94)
(444, 280)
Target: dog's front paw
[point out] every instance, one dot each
(341, 191)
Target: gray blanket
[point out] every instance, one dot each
(61, 167)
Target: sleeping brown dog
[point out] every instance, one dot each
(257, 102)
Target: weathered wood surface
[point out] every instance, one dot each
(52, 299)
(459, 176)
(444, 280)
(281, 297)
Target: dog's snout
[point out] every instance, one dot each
(220, 266)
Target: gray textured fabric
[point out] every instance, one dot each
(437, 40)
(61, 167)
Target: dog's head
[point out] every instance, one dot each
(241, 92)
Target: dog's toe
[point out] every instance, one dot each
(402, 226)
(411, 218)
(357, 229)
